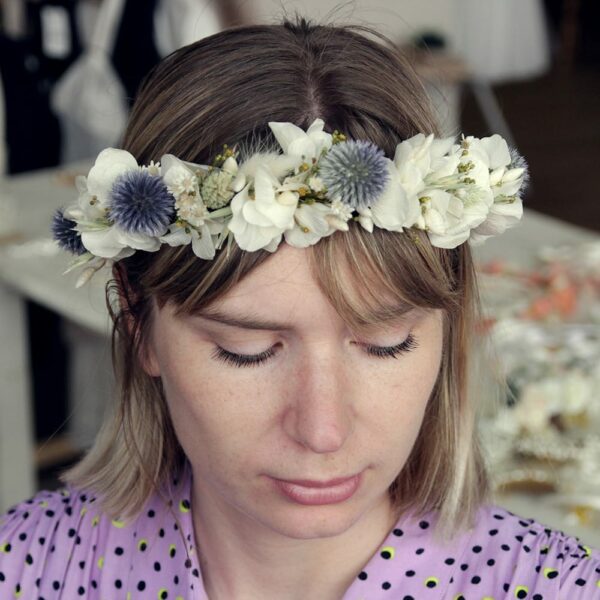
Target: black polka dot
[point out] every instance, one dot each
(23, 536)
(506, 587)
(141, 586)
(580, 582)
(464, 567)
(56, 585)
(505, 547)
(408, 598)
(157, 566)
(386, 554)
(521, 594)
(493, 532)
(424, 524)
(420, 550)
(41, 541)
(29, 559)
(475, 580)
(81, 590)
(119, 551)
(49, 513)
(164, 594)
(72, 532)
(362, 575)
(172, 552)
(538, 597)
(81, 564)
(161, 532)
(2, 578)
(410, 573)
(449, 561)
(398, 532)
(386, 585)
(151, 513)
(491, 562)
(118, 584)
(477, 549)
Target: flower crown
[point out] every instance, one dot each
(453, 191)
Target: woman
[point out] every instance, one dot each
(296, 419)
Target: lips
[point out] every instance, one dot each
(318, 484)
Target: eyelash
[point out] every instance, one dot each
(249, 360)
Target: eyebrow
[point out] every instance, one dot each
(253, 322)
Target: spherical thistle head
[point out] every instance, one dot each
(518, 162)
(63, 231)
(356, 171)
(141, 203)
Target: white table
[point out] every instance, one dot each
(33, 270)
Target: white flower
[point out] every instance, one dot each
(316, 184)
(110, 164)
(395, 209)
(276, 164)
(113, 242)
(312, 222)
(303, 144)
(503, 214)
(263, 215)
(203, 244)
(178, 177)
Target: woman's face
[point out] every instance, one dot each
(321, 406)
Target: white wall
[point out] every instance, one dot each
(398, 19)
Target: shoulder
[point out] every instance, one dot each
(525, 559)
(60, 543)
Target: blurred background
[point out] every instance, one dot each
(526, 69)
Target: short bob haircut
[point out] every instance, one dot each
(224, 89)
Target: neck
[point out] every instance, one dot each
(240, 558)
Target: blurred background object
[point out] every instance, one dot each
(69, 71)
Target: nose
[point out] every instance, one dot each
(320, 411)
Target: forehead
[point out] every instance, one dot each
(282, 294)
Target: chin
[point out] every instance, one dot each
(312, 522)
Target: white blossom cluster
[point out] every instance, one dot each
(456, 192)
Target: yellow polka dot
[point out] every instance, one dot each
(487, 598)
(184, 506)
(142, 544)
(588, 551)
(95, 521)
(118, 524)
(459, 597)
(162, 594)
(128, 596)
(598, 583)
(83, 511)
(550, 573)
(521, 591)
(18, 591)
(43, 503)
(172, 550)
(387, 552)
(101, 562)
(432, 582)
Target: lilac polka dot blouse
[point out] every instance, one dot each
(59, 545)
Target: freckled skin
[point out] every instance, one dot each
(321, 408)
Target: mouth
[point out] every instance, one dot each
(315, 492)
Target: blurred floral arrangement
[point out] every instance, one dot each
(544, 324)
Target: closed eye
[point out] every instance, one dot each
(246, 360)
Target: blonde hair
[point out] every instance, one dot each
(225, 89)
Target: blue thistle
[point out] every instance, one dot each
(141, 203)
(518, 162)
(356, 171)
(63, 231)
